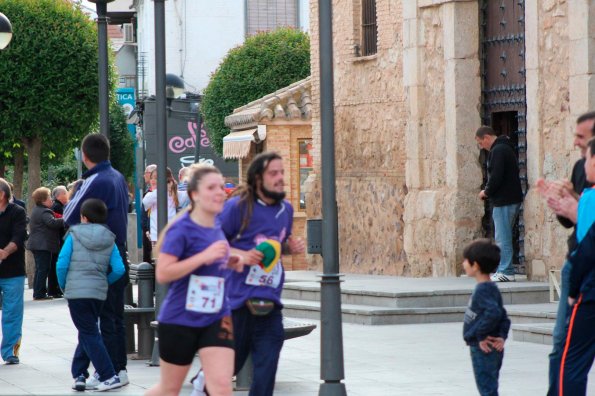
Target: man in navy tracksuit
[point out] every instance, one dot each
(579, 349)
(103, 182)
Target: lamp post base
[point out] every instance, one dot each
(332, 389)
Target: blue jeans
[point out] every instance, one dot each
(486, 368)
(504, 217)
(43, 263)
(263, 337)
(559, 334)
(85, 314)
(12, 290)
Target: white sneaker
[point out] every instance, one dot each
(123, 375)
(112, 383)
(198, 385)
(93, 381)
(500, 277)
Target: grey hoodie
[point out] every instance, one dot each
(92, 246)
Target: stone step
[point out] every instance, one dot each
(537, 333)
(426, 295)
(375, 315)
(532, 313)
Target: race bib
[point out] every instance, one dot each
(205, 294)
(259, 277)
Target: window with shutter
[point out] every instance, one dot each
(266, 15)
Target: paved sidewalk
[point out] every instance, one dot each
(429, 359)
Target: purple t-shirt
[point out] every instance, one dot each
(267, 222)
(184, 239)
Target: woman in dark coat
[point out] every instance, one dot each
(44, 239)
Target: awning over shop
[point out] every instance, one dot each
(236, 145)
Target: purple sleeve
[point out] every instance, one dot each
(173, 241)
(231, 219)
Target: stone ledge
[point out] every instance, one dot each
(434, 3)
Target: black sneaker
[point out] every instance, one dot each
(80, 383)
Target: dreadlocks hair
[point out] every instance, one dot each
(248, 190)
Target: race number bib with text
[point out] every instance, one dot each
(205, 294)
(259, 277)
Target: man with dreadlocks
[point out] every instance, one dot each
(257, 222)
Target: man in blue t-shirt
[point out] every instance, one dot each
(259, 220)
(103, 182)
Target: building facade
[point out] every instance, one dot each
(413, 81)
(199, 33)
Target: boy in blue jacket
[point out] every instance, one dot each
(579, 349)
(88, 262)
(486, 324)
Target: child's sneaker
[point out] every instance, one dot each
(112, 383)
(93, 381)
(80, 383)
(123, 375)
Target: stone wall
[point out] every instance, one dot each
(442, 212)
(370, 126)
(550, 128)
(407, 169)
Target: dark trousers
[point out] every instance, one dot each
(579, 350)
(43, 262)
(111, 319)
(486, 368)
(53, 287)
(261, 336)
(85, 313)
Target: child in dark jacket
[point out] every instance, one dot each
(486, 323)
(88, 262)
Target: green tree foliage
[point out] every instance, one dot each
(48, 75)
(48, 81)
(265, 63)
(121, 142)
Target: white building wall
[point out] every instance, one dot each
(199, 33)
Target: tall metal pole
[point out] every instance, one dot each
(161, 128)
(331, 332)
(102, 21)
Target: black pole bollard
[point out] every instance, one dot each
(145, 275)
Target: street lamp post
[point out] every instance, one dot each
(161, 131)
(102, 63)
(331, 332)
(5, 31)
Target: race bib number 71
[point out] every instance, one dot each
(205, 294)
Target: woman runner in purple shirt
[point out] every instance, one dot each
(194, 257)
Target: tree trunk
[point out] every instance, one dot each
(33, 147)
(19, 171)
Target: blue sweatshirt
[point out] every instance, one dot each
(107, 184)
(485, 315)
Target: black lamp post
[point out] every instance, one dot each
(5, 31)
(161, 132)
(331, 331)
(102, 21)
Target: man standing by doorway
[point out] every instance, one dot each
(504, 190)
(13, 230)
